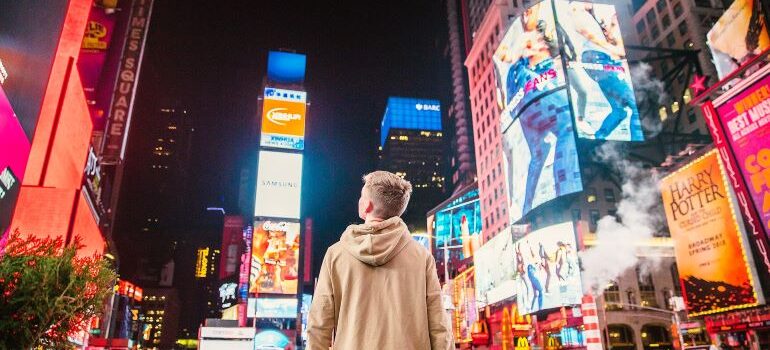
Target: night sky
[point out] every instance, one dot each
(210, 57)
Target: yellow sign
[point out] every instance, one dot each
(201, 265)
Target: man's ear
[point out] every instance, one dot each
(369, 206)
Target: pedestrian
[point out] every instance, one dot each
(378, 288)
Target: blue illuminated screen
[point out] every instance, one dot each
(459, 222)
(286, 67)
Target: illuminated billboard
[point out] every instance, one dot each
(14, 151)
(275, 308)
(495, 273)
(410, 113)
(286, 67)
(279, 185)
(539, 150)
(601, 92)
(464, 300)
(739, 35)
(745, 118)
(548, 270)
(540, 155)
(202, 263)
(709, 247)
(283, 119)
(459, 222)
(274, 257)
(228, 294)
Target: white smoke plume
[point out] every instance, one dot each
(650, 94)
(639, 217)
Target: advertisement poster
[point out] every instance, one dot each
(465, 313)
(495, 272)
(540, 155)
(14, 151)
(276, 308)
(274, 258)
(232, 240)
(459, 222)
(708, 240)
(539, 149)
(93, 54)
(283, 119)
(547, 269)
(597, 70)
(279, 185)
(739, 35)
(746, 120)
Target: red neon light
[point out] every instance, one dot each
(87, 229)
(43, 211)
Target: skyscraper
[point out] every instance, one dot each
(411, 143)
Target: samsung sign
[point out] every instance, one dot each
(279, 185)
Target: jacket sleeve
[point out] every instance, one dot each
(321, 320)
(438, 326)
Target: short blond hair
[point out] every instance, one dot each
(389, 193)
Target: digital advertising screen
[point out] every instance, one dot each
(746, 121)
(271, 339)
(459, 222)
(739, 35)
(495, 272)
(540, 155)
(714, 270)
(274, 257)
(29, 36)
(228, 294)
(464, 300)
(286, 67)
(548, 272)
(527, 61)
(601, 91)
(279, 185)
(283, 119)
(276, 308)
(14, 151)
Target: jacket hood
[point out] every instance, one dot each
(378, 242)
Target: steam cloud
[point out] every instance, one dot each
(639, 217)
(650, 94)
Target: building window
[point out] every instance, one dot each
(640, 27)
(665, 21)
(670, 39)
(621, 336)
(683, 28)
(612, 297)
(609, 195)
(646, 288)
(654, 32)
(651, 17)
(678, 10)
(594, 219)
(663, 113)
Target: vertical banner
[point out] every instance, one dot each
(119, 118)
(232, 236)
(715, 272)
(93, 54)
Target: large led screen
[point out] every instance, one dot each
(29, 35)
(495, 273)
(597, 70)
(540, 155)
(539, 149)
(14, 151)
(274, 257)
(279, 185)
(708, 240)
(739, 35)
(746, 121)
(459, 222)
(548, 273)
(276, 308)
(286, 67)
(283, 119)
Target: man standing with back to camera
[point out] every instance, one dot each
(378, 288)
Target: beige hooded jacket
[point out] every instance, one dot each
(378, 289)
